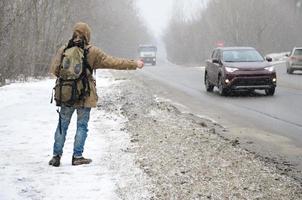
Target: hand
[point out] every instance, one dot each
(139, 64)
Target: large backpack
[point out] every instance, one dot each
(72, 85)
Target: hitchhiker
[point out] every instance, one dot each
(75, 88)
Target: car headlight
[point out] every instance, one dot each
(231, 69)
(271, 69)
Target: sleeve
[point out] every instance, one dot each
(102, 60)
(56, 62)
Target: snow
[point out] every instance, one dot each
(278, 57)
(27, 125)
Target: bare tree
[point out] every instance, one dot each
(31, 31)
(270, 26)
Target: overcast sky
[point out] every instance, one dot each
(158, 12)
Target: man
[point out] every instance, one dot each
(97, 59)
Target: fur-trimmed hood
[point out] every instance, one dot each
(83, 29)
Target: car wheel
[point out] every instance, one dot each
(222, 91)
(251, 91)
(209, 86)
(270, 91)
(289, 70)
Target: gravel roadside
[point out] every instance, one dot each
(187, 157)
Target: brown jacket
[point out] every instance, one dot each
(97, 59)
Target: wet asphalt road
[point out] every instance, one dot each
(271, 126)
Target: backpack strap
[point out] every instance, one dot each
(85, 60)
(84, 74)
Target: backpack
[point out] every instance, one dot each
(72, 84)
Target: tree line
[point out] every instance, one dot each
(32, 30)
(268, 25)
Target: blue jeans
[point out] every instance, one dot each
(81, 133)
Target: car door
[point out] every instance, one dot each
(211, 67)
(289, 58)
(217, 66)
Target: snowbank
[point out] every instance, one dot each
(27, 125)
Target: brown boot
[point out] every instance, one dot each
(80, 161)
(55, 161)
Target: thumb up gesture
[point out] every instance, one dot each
(139, 64)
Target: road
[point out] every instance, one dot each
(269, 125)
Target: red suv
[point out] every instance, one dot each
(239, 68)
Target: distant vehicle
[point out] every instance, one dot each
(294, 61)
(147, 53)
(239, 68)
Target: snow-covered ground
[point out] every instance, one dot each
(27, 125)
(278, 57)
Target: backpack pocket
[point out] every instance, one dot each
(66, 92)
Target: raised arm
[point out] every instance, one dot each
(101, 60)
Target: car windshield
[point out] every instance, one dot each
(298, 52)
(147, 49)
(242, 55)
(147, 54)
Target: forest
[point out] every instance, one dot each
(31, 31)
(268, 25)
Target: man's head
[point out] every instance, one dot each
(81, 33)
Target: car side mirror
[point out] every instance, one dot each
(269, 59)
(217, 61)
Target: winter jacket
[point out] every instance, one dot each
(97, 59)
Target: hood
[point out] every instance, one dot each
(248, 65)
(83, 29)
